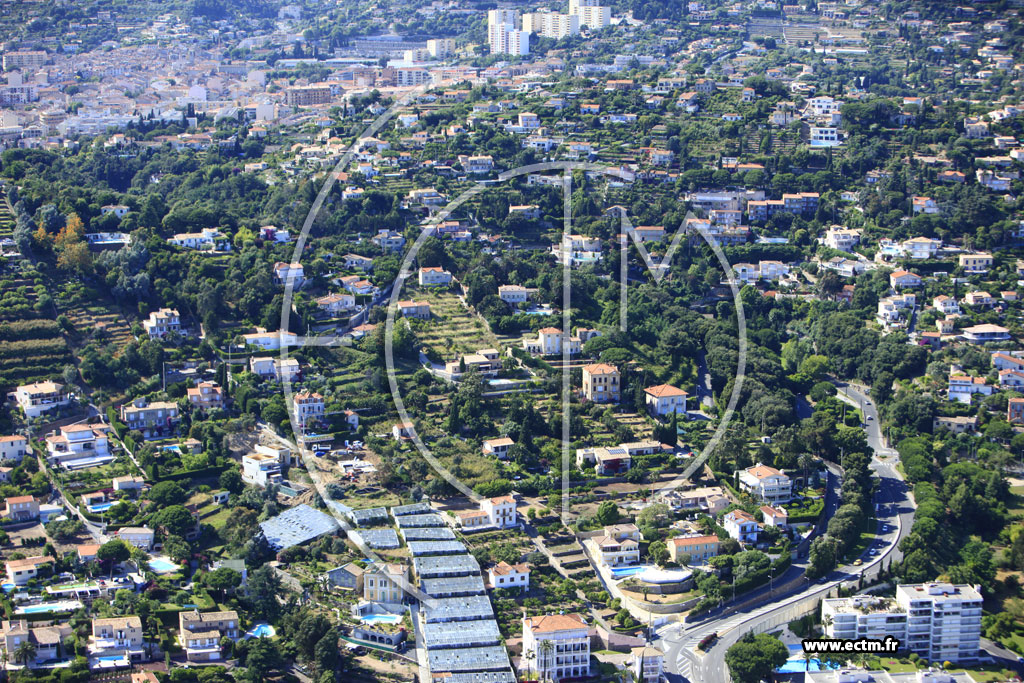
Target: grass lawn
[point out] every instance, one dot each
(866, 538)
(896, 666)
(219, 519)
(1017, 506)
(987, 674)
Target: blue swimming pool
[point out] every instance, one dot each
(380, 619)
(619, 572)
(102, 507)
(796, 663)
(161, 565)
(112, 658)
(261, 631)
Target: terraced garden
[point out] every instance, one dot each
(452, 329)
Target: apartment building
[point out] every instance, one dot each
(503, 36)
(864, 616)
(200, 633)
(766, 484)
(40, 397)
(551, 24)
(162, 323)
(307, 95)
(569, 654)
(153, 419)
(601, 383)
(943, 620)
(938, 621)
(591, 13)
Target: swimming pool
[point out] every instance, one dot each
(261, 631)
(619, 572)
(501, 382)
(287, 490)
(797, 664)
(62, 606)
(380, 619)
(102, 507)
(113, 658)
(161, 565)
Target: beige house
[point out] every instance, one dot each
(200, 633)
(601, 383)
(118, 635)
(385, 584)
(20, 572)
(699, 548)
(46, 639)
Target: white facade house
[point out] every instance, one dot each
(498, 447)
(336, 303)
(434, 277)
(842, 239)
(40, 397)
(13, 448)
(501, 511)
(162, 323)
(208, 239)
(665, 399)
(261, 469)
(509, 576)
(741, 525)
(138, 536)
(77, 446)
(647, 664)
(515, 294)
(270, 341)
(569, 635)
(278, 369)
(550, 341)
(308, 407)
(766, 484)
(285, 273)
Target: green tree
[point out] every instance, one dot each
(114, 551)
(755, 657)
(264, 587)
(223, 579)
(607, 513)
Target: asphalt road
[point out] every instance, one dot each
(895, 517)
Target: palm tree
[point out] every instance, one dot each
(547, 660)
(528, 657)
(25, 653)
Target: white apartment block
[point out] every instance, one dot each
(938, 621)
(551, 24)
(943, 620)
(502, 35)
(592, 15)
(570, 636)
(864, 616)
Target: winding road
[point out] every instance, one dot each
(895, 516)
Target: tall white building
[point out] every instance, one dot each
(503, 35)
(570, 637)
(938, 621)
(551, 24)
(591, 14)
(943, 620)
